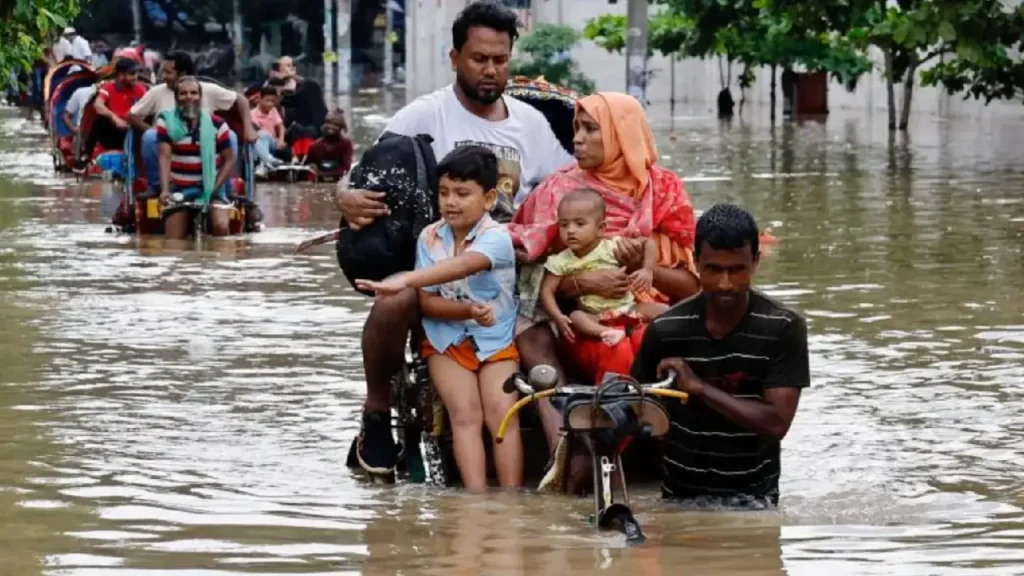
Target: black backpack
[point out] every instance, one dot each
(405, 168)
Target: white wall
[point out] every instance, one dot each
(696, 81)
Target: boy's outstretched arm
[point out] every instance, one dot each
(462, 266)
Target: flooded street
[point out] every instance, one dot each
(182, 410)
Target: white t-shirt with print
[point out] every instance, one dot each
(161, 97)
(526, 148)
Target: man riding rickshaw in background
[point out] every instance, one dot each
(196, 162)
(162, 97)
(114, 100)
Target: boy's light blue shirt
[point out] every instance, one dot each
(495, 287)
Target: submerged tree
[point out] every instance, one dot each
(754, 34)
(744, 31)
(27, 28)
(978, 36)
(548, 51)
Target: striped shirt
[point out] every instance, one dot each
(708, 455)
(186, 165)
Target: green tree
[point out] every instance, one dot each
(755, 34)
(744, 31)
(547, 52)
(985, 62)
(667, 33)
(977, 35)
(27, 27)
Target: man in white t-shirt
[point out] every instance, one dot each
(76, 105)
(60, 51)
(80, 49)
(472, 111)
(159, 98)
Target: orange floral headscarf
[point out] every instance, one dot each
(629, 149)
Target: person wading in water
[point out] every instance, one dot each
(742, 357)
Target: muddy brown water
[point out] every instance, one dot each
(182, 410)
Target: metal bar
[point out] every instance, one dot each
(343, 43)
(237, 40)
(636, 50)
(329, 49)
(137, 19)
(389, 52)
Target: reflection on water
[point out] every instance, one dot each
(187, 409)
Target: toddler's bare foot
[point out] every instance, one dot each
(612, 337)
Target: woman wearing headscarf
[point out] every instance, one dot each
(616, 157)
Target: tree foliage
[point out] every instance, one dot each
(547, 52)
(752, 33)
(972, 47)
(974, 39)
(739, 30)
(27, 27)
(667, 34)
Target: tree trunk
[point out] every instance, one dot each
(889, 90)
(672, 96)
(773, 95)
(908, 94)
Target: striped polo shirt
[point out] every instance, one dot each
(186, 166)
(708, 455)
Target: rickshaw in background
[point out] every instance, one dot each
(61, 83)
(295, 168)
(62, 139)
(140, 211)
(108, 164)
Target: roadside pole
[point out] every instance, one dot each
(389, 46)
(343, 35)
(137, 20)
(636, 50)
(330, 51)
(237, 40)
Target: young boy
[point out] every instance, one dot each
(332, 152)
(270, 137)
(581, 225)
(465, 272)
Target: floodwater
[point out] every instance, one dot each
(183, 410)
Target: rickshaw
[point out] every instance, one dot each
(294, 168)
(140, 211)
(58, 72)
(108, 164)
(420, 422)
(62, 139)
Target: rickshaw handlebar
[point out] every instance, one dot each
(541, 384)
(543, 377)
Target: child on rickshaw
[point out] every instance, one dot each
(465, 273)
(581, 225)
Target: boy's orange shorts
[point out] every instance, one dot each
(465, 356)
